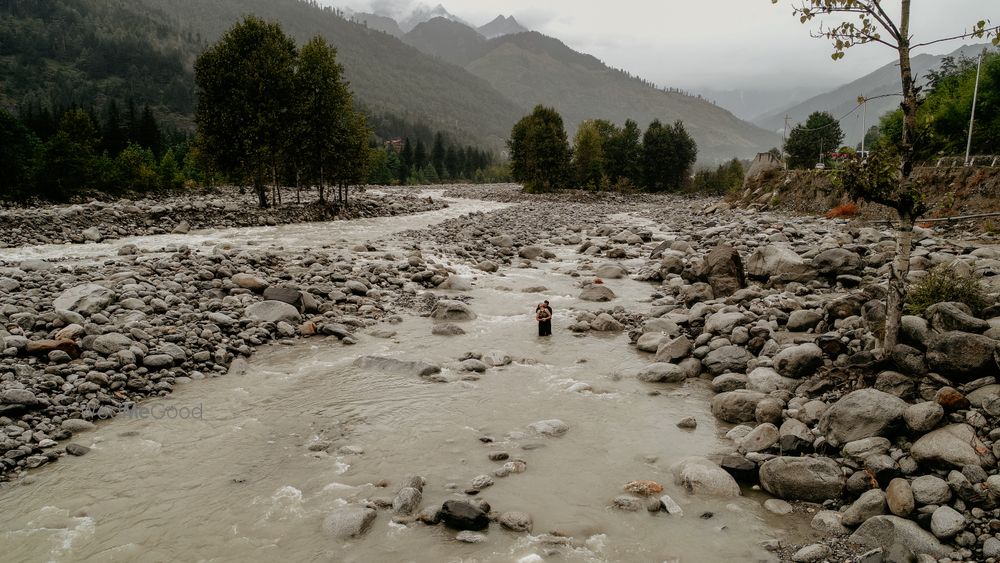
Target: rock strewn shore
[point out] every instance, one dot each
(203, 209)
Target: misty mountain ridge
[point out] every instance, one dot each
(501, 26)
(882, 82)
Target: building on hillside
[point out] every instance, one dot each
(395, 144)
(763, 162)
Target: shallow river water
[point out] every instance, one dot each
(239, 483)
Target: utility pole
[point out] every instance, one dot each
(972, 118)
(864, 123)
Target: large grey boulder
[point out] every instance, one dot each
(775, 261)
(662, 372)
(673, 349)
(799, 361)
(273, 312)
(837, 262)
(949, 316)
(110, 343)
(870, 503)
(597, 292)
(962, 356)
(400, 367)
(448, 310)
(611, 271)
(736, 406)
(701, 476)
(723, 270)
(953, 446)
(884, 531)
(86, 299)
(727, 359)
(813, 479)
(861, 414)
(349, 521)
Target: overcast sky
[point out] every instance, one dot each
(696, 44)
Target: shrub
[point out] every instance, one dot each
(944, 284)
(849, 209)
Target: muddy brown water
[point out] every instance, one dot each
(236, 480)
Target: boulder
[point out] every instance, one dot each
(724, 323)
(273, 312)
(349, 521)
(946, 522)
(110, 343)
(730, 358)
(288, 295)
(531, 252)
(700, 476)
(736, 406)
(606, 323)
(662, 372)
(399, 367)
(759, 439)
(451, 311)
(674, 349)
(802, 478)
(803, 320)
(948, 316)
(597, 292)
(463, 515)
(249, 281)
(837, 262)
(870, 503)
(774, 261)
(861, 414)
(552, 428)
(928, 489)
(87, 299)
(899, 497)
(953, 446)
(923, 417)
(722, 269)
(456, 283)
(516, 521)
(962, 356)
(611, 271)
(884, 531)
(799, 361)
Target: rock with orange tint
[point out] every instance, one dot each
(42, 347)
(951, 399)
(644, 488)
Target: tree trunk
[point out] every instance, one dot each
(896, 297)
(258, 186)
(321, 185)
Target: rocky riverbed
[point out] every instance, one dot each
(217, 208)
(892, 460)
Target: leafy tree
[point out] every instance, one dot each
(381, 171)
(820, 135)
(323, 105)
(352, 153)
(169, 171)
(71, 162)
(623, 153)
(20, 151)
(724, 179)
(135, 169)
(539, 151)
(588, 156)
(878, 179)
(668, 153)
(245, 85)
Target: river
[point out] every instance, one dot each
(235, 478)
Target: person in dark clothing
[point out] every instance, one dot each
(543, 314)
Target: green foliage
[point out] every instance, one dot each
(724, 179)
(943, 284)
(668, 153)
(623, 153)
(811, 142)
(588, 156)
(135, 170)
(71, 157)
(20, 151)
(246, 84)
(943, 113)
(876, 179)
(539, 151)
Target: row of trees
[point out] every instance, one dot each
(56, 154)
(603, 155)
(265, 107)
(444, 162)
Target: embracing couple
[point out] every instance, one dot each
(543, 314)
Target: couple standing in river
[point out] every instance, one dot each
(543, 314)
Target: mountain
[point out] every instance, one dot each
(841, 101)
(385, 24)
(531, 68)
(386, 75)
(423, 13)
(750, 104)
(501, 26)
(448, 40)
(63, 52)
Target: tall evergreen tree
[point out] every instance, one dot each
(623, 153)
(420, 159)
(405, 162)
(113, 134)
(438, 155)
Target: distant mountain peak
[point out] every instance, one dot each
(502, 25)
(422, 13)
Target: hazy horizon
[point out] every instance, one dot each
(752, 45)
